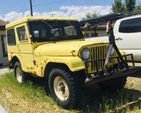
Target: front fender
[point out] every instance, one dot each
(73, 63)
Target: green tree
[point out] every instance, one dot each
(118, 6)
(123, 6)
(91, 15)
(138, 8)
(130, 5)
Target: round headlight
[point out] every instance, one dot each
(85, 54)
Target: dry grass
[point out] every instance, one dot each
(32, 98)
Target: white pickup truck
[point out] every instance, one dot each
(127, 32)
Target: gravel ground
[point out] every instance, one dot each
(4, 70)
(2, 110)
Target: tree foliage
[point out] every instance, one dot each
(118, 6)
(138, 8)
(130, 5)
(124, 6)
(91, 15)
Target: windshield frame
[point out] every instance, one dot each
(51, 24)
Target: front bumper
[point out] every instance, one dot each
(121, 69)
(102, 78)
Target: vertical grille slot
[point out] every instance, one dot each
(98, 52)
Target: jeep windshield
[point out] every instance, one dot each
(55, 30)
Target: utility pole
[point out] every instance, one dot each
(31, 10)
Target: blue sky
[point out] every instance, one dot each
(46, 5)
(13, 9)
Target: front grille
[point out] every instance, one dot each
(98, 52)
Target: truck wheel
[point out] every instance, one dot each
(62, 87)
(114, 85)
(19, 74)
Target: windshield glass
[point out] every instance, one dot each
(44, 30)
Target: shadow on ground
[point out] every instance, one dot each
(96, 101)
(138, 73)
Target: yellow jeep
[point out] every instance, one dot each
(54, 49)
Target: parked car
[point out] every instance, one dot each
(54, 49)
(127, 32)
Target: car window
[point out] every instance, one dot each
(130, 26)
(11, 37)
(54, 30)
(22, 34)
(70, 31)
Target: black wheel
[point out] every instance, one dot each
(63, 87)
(114, 85)
(19, 74)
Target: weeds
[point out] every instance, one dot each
(32, 98)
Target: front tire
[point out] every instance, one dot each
(19, 74)
(62, 86)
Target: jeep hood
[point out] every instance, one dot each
(63, 48)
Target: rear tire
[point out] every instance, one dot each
(19, 74)
(114, 85)
(63, 87)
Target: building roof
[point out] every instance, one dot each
(33, 18)
(2, 24)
